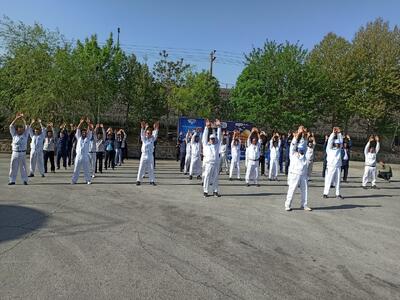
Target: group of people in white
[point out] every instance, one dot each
(89, 146)
(206, 155)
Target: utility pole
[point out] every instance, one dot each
(118, 31)
(212, 58)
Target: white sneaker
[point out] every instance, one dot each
(93, 176)
(89, 182)
(306, 208)
(288, 209)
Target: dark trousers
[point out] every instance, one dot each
(154, 160)
(110, 159)
(99, 161)
(122, 155)
(49, 155)
(262, 163)
(345, 169)
(281, 163)
(324, 168)
(63, 155)
(182, 157)
(287, 164)
(69, 156)
(385, 175)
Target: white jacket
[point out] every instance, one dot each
(37, 141)
(235, 150)
(211, 151)
(148, 143)
(298, 162)
(333, 155)
(370, 158)
(274, 151)
(82, 144)
(19, 142)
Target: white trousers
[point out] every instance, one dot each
(81, 162)
(36, 157)
(92, 158)
(369, 174)
(332, 175)
(273, 168)
(211, 171)
(294, 180)
(195, 166)
(146, 163)
(252, 171)
(235, 166)
(18, 162)
(223, 162)
(187, 163)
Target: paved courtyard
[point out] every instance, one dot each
(114, 240)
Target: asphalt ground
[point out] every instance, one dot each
(114, 240)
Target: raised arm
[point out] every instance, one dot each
(78, 129)
(219, 130)
(366, 149)
(205, 133)
(378, 145)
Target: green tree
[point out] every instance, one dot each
(277, 88)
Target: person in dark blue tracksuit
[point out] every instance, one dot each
(287, 150)
(281, 152)
(62, 147)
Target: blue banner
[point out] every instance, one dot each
(189, 124)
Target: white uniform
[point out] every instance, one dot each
(310, 159)
(92, 154)
(253, 160)
(19, 143)
(333, 163)
(235, 160)
(223, 155)
(195, 157)
(274, 159)
(147, 157)
(188, 154)
(36, 155)
(297, 175)
(370, 165)
(211, 161)
(82, 158)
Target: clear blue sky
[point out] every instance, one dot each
(193, 28)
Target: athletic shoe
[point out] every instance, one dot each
(190, 177)
(325, 196)
(43, 176)
(364, 187)
(205, 195)
(137, 182)
(247, 184)
(216, 194)
(11, 183)
(306, 208)
(31, 175)
(25, 183)
(89, 182)
(374, 187)
(288, 209)
(339, 197)
(153, 183)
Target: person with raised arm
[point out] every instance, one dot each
(223, 153)
(253, 157)
(297, 175)
(333, 162)
(188, 155)
(20, 135)
(370, 151)
(310, 155)
(211, 146)
(82, 159)
(148, 137)
(235, 155)
(274, 148)
(49, 148)
(62, 146)
(100, 148)
(92, 149)
(195, 159)
(37, 140)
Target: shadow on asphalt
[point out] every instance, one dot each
(17, 221)
(345, 206)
